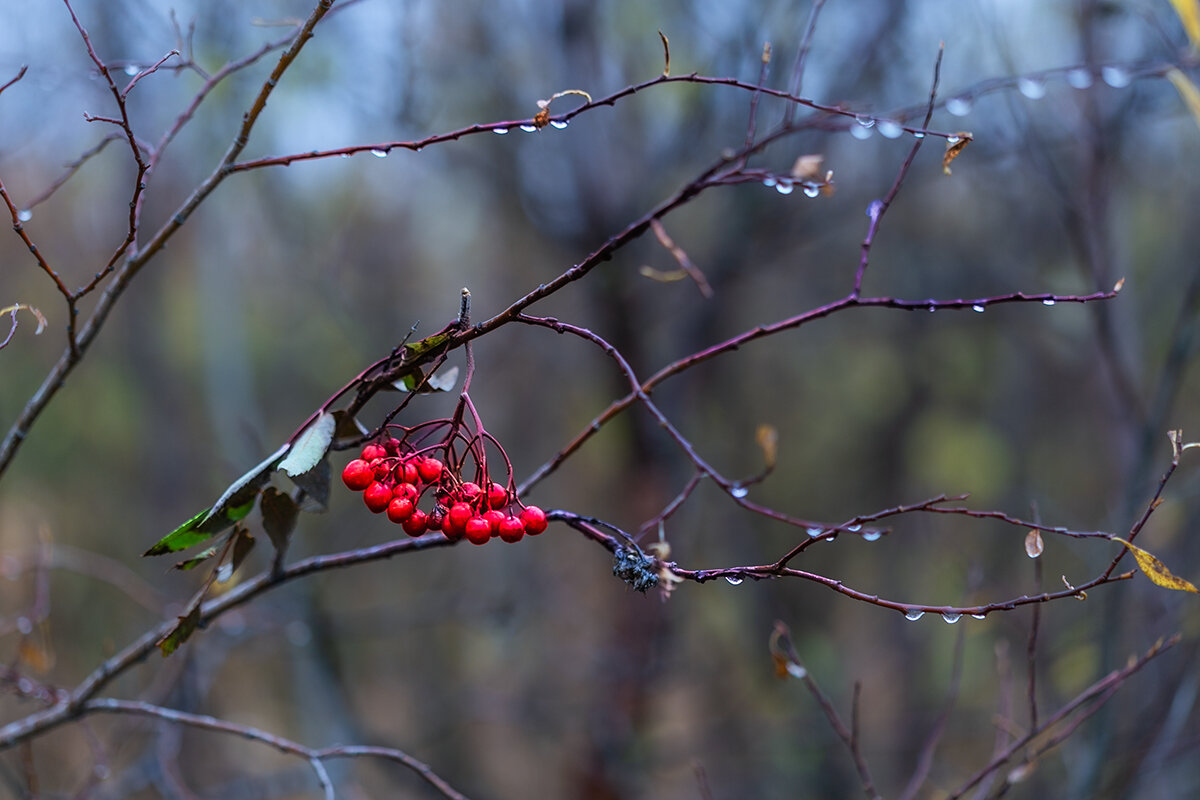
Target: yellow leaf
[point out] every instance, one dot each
(1189, 15)
(1156, 571)
(1187, 90)
(954, 147)
(768, 440)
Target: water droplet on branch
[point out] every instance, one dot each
(811, 190)
(950, 617)
(379, 153)
(1079, 78)
(889, 129)
(739, 491)
(733, 580)
(872, 535)
(913, 614)
(499, 131)
(529, 128)
(918, 134)
(1031, 88)
(860, 133)
(815, 532)
(558, 123)
(24, 215)
(769, 182)
(1116, 77)
(864, 121)
(784, 187)
(958, 106)
(796, 670)
(132, 69)
(979, 616)
(1048, 302)
(977, 308)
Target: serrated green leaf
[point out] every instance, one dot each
(185, 536)
(179, 634)
(197, 560)
(310, 446)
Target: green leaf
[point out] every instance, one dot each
(238, 500)
(185, 536)
(310, 446)
(186, 626)
(197, 560)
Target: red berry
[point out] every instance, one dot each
(409, 472)
(377, 496)
(392, 446)
(372, 451)
(430, 469)
(406, 490)
(435, 518)
(399, 509)
(497, 496)
(469, 492)
(416, 524)
(358, 475)
(511, 529)
(494, 518)
(478, 530)
(382, 467)
(534, 519)
(457, 516)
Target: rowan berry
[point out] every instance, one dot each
(511, 529)
(497, 496)
(399, 509)
(377, 496)
(372, 451)
(358, 475)
(429, 469)
(408, 472)
(478, 530)
(534, 519)
(416, 524)
(469, 492)
(406, 490)
(494, 518)
(435, 519)
(457, 517)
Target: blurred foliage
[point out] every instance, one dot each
(530, 670)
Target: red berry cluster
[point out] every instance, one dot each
(394, 479)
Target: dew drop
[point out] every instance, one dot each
(958, 106)
(953, 139)
(378, 153)
(733, 580)
(979, 616)
(854, 528)
(951, 618)
(932, 308)
(1033, 89)
(796, 670)
(860, 133)
(24, 215)
(815, 532)
(1047, 302)
(558, 123)
(784, 187)
(24, 626)
(499, 131)
(1116, 77)
(871, 536)
(529, 128)
(769, 183)
(889, 129)
(132, 69)
(977, 309)
(918, 134)
(1079, 78)
(913, 614)
(831, 537)
(739, 491)
(810, 190)
(864, 121)
(875, 209)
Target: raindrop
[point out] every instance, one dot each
(977, 308)
(815, 532)
(871, 536)
(739, 491)
(979, 616)
(1047, 302)
(932, 308)
(1116, 77)
(24, 215)
(529, 128)
(811, 190)
(1033, 89)
(875, 209)
(558, 123)
(864, 121)
(953, 139)
(1079, 78)
(769, 182)
(913, 614)
(784, 187)
(345, 155)
(378, 153)
(24, 626)
(860, 133)
(951, 617)
(889, 129)
(499, 131)
(832, 536)
(854, 528)
(796, 670)
(733, 580)
(132, 69)
(958, 106)
(918, 134)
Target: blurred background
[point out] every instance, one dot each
(530, 670)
